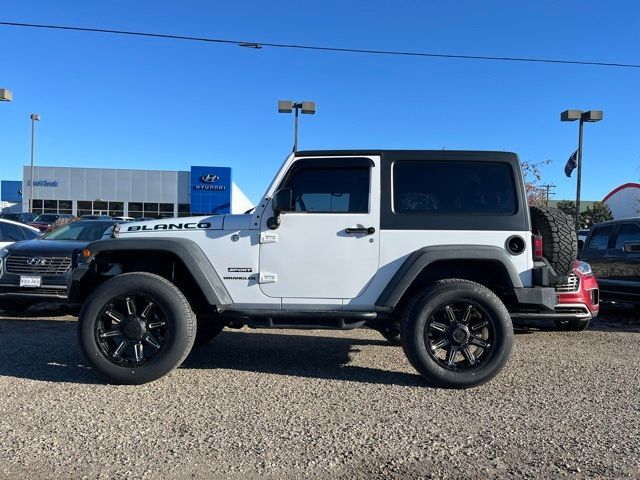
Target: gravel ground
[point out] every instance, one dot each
(322, 404)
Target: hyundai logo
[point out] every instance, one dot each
(209, 178)
(37, 261)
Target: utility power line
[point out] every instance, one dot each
(258, 45)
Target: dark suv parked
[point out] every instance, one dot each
(613, 251)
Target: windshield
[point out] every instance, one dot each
(81, 231)
(46, 218)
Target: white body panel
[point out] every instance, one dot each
(397, 245)
(309, 262)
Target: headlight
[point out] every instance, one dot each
(3, 252)
(116, 230)
(584, 268)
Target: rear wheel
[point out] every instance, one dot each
(136, 328)
(457, 333)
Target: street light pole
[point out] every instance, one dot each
(287, 106)
(34, 118)
(588, 116)
(579, 176)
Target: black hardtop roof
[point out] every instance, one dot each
(480, 155)
(616, 222)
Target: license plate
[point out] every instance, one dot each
(30, 281)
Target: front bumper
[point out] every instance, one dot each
(51, 288)
(579, 303)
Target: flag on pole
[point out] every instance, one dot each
(572, 163)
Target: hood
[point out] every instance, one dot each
(46, 248)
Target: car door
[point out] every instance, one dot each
(596, 251)
(624, 269)
(327, 246)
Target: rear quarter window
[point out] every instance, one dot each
(453, 188)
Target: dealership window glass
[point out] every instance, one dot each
(84, 205)
(135, 206)
(184, 208)
(600, 238)
(448, 187)
(36, 203)
(330, 190)
(84, 212)
(65, 204)
(150, 209)
(629, 232)
(135, 214)
(166, 208)
(100, 208)
(51, 205)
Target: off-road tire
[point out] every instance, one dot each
(414, 332)
(559, 239)
(573, 325)
(180, 322)
(208, 329)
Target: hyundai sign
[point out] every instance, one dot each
(11, 191)
(210, 190)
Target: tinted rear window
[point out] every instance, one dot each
(453, 187)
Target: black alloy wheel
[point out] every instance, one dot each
(459, 335)
(135, 328)
(131, 330)
(456, 333)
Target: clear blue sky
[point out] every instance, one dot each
(109, 101)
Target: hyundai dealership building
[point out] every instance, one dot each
(123, 192)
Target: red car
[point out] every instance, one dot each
(43, 222)
(578, 301)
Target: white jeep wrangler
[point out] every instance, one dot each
(432, 248)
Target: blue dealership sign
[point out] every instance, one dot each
(11, 191)
(210, 190)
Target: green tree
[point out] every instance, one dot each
(568, 207)
(598, 212)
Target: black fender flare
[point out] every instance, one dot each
(417, 261)
(186, 250)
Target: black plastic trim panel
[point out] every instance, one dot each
(186, 250)
(418, 260)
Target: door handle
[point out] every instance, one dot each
(354, 230)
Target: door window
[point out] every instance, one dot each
(600, 238)
(629, 232)
(330, 190)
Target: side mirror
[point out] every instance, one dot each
(282, 201)
(631, 247)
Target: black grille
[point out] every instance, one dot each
(595, 296)
(23, 265)
(49, 292)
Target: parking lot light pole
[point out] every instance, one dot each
(588, 116)
(5, 95)
(34, 118)
(287, 106)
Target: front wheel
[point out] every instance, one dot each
(457, 333)
(136, 328)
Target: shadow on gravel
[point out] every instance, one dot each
(294, 355)
(45, 350)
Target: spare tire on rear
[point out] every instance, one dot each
(559, 239)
